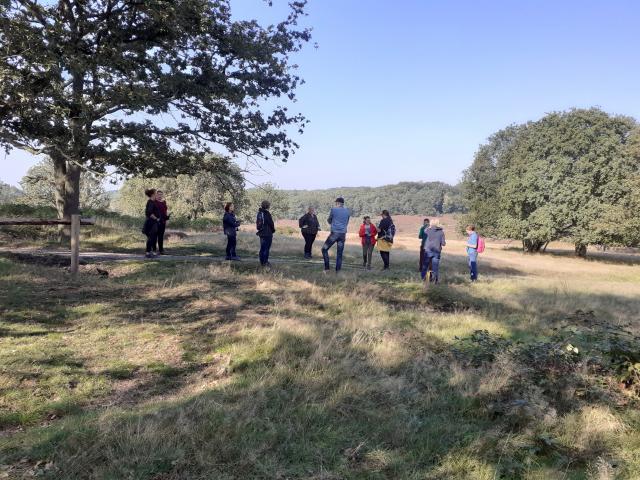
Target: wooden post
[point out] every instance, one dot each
(75, 243)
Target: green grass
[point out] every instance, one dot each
(175, 370)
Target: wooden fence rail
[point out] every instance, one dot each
(75, 223)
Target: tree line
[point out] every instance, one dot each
(404, 198)
(572, 176)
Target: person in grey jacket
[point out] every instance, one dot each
(339, 220)
(432, 250)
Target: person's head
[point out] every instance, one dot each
(311, 210)
(435, 222)
(265, 205)
(229, 207)
(385, 214)
(151, 193)
(160, 195)
(471, 229)
(426, 222)
(367, 220)
(339, 202)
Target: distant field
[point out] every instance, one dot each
(172, 370)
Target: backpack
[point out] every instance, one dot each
(390, 233)
(481, 244)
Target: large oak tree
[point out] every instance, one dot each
(149, 87)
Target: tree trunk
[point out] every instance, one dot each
(581, 250)
(532, 246)
(67, 181)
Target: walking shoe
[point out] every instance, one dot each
(149, 255)
(235, 259)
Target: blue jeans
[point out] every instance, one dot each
(433, 259)
(265, 246)
(472, 258)
(338, 238)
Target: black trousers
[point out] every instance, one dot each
(385, 259)
(231, 246)
(152, 238)
(160, 242)
(309, 238)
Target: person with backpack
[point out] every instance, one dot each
(367, 234)
(386, 232)
(433, 250)
(423, 238)
(339, 221)
(265, 230)
(230, 226)
(309, 227)
(152, 218)
(473, 248)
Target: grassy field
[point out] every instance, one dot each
(170, 370)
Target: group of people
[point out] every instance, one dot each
(382, 235)
(155, 224)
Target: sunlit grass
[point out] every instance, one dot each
(178, 370)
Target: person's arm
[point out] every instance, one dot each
(330, 219)
(472, 245)
(444, 242)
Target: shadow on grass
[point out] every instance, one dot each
(291, 406)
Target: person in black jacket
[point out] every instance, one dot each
(309, 226)
(230, 225)
(150, 228)
(265, 230)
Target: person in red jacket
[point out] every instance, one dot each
(368, 234)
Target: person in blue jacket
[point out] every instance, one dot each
(472, 252)
(339, 221)
(230, 225)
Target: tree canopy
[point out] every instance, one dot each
(561, 177)
(149, 88)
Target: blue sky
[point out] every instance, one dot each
(408, 89)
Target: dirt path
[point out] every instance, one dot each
(96, 257)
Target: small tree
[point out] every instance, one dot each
(39, 188)
(9, 193)
(147, 87)
(267, 191)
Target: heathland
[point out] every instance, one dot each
(180, 369)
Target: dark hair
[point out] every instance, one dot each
(150, 192)
(365, 217)
(265, 205)
(427, 220)
(471, 227)
(227, 206)
(385, 213)
(340, 200)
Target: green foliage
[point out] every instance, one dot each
(405, 198)
(9, 193)
(150, 88)
(39, 188)
(187, 196)
(561, 177)
(280, 202)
